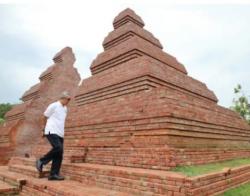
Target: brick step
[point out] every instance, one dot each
(68, 152)
(22, 161)
(7, 189)
(163, 129)
(205, 160)
(136, 163)
(153, 123)
(29, 170)
(43, 187)
(12, 178)
(219, 182)
(157, 158)
(132, 180)
(31, 161)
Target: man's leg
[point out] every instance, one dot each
(49, 156)
(57, 159)
(56, 148)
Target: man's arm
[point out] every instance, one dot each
(44, 121)
(48, 112)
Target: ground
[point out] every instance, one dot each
(243, 190)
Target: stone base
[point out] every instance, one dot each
(94, 180)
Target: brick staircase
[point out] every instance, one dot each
(89, 179)
(20, 177)
(85, 179)
(10, 182)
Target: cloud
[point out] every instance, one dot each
(211, 41)
(210, 38)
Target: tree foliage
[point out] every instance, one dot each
(241, 103)
(4, 108)
(1, 120)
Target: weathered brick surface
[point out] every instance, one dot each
(7, 189)
(141, 109)
(22, 129)
(135, 180)
(83, 178)
(65, 188)
(141, 181)
(218, 182)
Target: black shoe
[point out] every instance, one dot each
(56, 177)
(39, 165)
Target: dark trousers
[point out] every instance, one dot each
(55, 154)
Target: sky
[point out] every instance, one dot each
(210, 38)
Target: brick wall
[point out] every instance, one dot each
(23, 129)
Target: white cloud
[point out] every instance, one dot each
(210, 40)
(147, 2)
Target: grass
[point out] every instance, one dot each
(196, 170)
(243, 190)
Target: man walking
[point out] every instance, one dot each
(54, 120)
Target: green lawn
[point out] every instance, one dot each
(196, 170)
(243, 190)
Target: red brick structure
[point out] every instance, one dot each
(141, 109)
(21, 131)
(137, 116)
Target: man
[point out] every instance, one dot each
(54, 120)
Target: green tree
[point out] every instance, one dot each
(241, 103)
(4, 108)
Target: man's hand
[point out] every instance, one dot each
(43, 132)
(44, 121)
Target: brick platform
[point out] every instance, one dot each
(92, 179)
(25, 180)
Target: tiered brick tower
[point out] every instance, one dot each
(141, 109)
(138, 115)
(22, 129)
